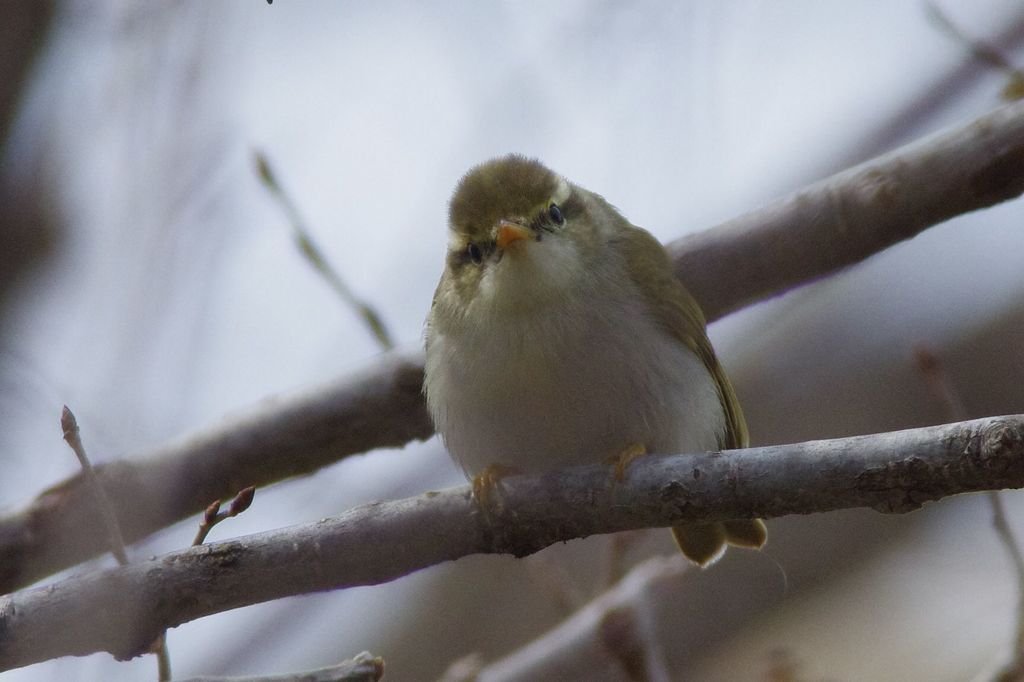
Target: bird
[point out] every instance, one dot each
(558, 335)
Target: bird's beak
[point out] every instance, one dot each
(511, 232)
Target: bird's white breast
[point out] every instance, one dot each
(573, 381)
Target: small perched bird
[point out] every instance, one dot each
(558, 336)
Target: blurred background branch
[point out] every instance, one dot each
(364, 667)
(580, 648)
(984, 52)
(315, 256)
(27, 233)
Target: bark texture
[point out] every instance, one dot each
(122, 610)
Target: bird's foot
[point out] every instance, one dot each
(485, 484)
(623, 459)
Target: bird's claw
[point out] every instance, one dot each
(623, 459)
(486, 482)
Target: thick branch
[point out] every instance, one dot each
(378, 407)
(797, 239)
(854, 214)
(121, 610)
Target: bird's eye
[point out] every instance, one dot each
(475, 254)
(556, 214)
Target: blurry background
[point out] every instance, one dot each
(149, 281)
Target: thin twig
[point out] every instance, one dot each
(363, 668)
(212, 516)
(74, 439)
(984, 52)
(163, 658)
(315, 255)
(121, 610)
(609, 635)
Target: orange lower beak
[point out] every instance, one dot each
(510, 232)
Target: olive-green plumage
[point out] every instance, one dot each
(679, 313)
(517, 187)
(559, 335)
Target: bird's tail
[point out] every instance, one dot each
(704, 543)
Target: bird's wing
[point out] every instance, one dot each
(674, 307)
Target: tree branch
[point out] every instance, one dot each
(612, 635)
(380, 406)
(121, 610)
(846, 218)
(797, 239)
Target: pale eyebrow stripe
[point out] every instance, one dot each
(562, 191)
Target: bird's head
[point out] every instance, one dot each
(520, 238)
